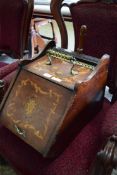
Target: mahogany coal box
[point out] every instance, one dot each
(49, 100)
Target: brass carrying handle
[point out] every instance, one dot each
(20, 131)
(49, 62)
(72, 60)
(83, 30)
(73, 72)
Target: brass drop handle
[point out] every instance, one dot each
(49, 62)
(63, 57)
(20, 131)
(73, 72)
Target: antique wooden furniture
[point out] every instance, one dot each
(78, 158)
(15, 28)
(15, 40)
(43, 10)
(101, 21)
(39, 41)
(106, 159)
(49, 93)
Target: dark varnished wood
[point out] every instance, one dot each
(49, 44)
(111, 82)
(86, 90)
(81, 39)
(27, 21)
(56, 12)
(106, 159)
(38, 108)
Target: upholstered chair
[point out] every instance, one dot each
(100, 17)
(15, 17)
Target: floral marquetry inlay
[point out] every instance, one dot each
(32, 107)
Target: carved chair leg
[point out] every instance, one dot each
(106, 159)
